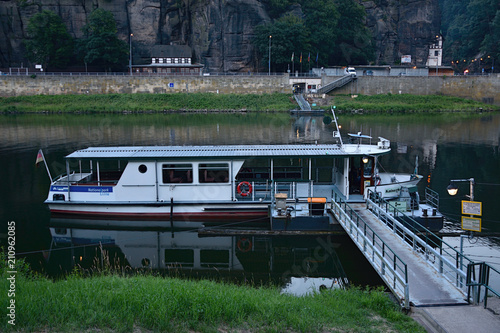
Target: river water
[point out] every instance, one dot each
(451, 146)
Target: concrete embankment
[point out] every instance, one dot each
(481, 88)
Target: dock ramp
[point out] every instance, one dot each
(416, 271)
(336, 84)
(302, 102)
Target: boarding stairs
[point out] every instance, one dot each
(419, 270)
(302, 102)
(336, 84)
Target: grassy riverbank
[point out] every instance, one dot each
(150, 303)
(138, 103)
(406, 103)
(145, 103)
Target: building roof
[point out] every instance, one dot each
(218, 152)
(171, 51)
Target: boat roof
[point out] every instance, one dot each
(220, 152)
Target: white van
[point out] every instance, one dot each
(351, 71)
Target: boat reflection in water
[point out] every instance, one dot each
(300, 264)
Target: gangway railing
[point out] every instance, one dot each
(483, 280)
(384, 260)
(336, 84)
(302, 102)
(444, 258)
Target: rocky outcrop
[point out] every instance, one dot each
(405, 27)
(220, 32)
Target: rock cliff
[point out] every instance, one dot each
(219, 32)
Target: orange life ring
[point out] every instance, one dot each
(244, 188)
(244, 245)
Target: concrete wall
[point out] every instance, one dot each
(481, 88)
(54, 85)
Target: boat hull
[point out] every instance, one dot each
(185, 215)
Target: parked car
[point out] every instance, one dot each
(369, 73)
(351, 71)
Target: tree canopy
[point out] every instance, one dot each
(48, 43)
(318, 34)
(101, 46)
(471, 30)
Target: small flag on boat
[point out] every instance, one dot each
(39, 157)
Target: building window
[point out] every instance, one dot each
(177, 173)
(169, 60)
(436, 53)
(213, 173)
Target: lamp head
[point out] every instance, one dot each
(452, 189)
(365, 159)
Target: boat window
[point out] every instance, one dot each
(213, 173)
(179, 257)
(143, 168)
(177, 173)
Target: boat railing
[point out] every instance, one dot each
(444, 258)
(432, 198)
(391, 268)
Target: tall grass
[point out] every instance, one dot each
(145, 302)
(409, 103)
(145, 102)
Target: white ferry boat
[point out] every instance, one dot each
(199, 185)
(207, 183)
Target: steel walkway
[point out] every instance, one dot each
(336, 84)
(416, 272)
(302, 102)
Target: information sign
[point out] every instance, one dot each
(471, 208)
(171, 85)
(471, 223)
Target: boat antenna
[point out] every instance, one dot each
(336, 134)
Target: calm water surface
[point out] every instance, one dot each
(448, 147)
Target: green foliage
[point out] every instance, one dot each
(332, 31)
(354, 38)
(471, 29)
(111, 302)
(146, 102)
(49, 42)
(406, 103)
(288, 35)
(101, 46)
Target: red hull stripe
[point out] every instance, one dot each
(205, 216)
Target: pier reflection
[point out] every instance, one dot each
(299, 264)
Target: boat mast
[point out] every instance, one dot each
(336, 134)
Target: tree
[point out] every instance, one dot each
(49, 42)
(289, 35)
(354, 39)
(101, 46)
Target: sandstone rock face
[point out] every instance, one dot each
(220, 32)
(405, 27)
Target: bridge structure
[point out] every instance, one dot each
(420, 269)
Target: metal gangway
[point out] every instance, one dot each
(302, 102)
(421, 270)
(336, 84)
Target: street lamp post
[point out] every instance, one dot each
(453, 189)
(270, 54)
(130, 54)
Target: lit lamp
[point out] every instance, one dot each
(452, 189)
(365, 159)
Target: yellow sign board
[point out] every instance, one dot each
(472, 208)
(471, 223)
